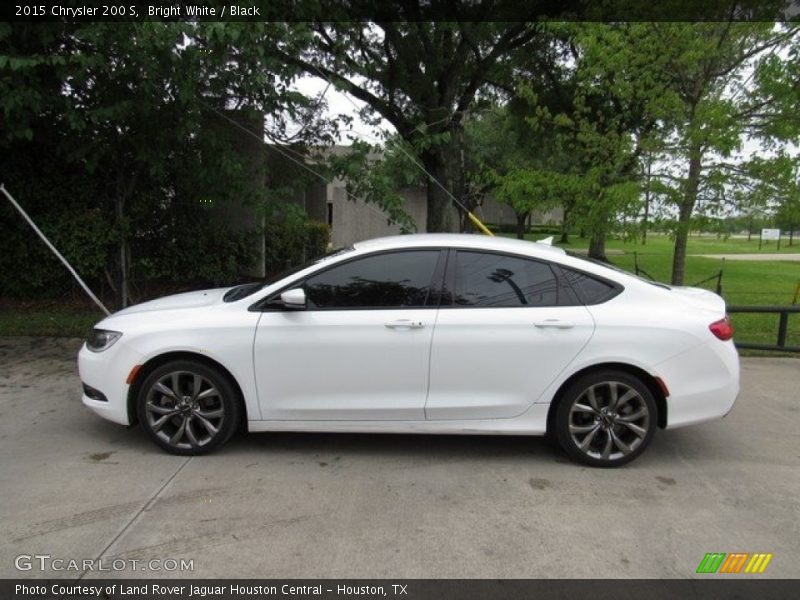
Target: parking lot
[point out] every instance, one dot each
(74, 486)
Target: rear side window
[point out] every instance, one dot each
(399, 279)
(591, 289)
(497, 280)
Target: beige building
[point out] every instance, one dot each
(352, 219)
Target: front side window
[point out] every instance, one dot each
(497, 280)
(399, 279)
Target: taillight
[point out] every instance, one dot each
(722, 329)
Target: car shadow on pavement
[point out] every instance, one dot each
(387, 445)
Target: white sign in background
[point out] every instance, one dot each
(771, 234)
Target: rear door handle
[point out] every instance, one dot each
(554, 324)
(404, 324)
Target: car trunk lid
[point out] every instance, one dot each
(699, 298)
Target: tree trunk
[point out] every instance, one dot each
(598, 229)
(460, 187)
(646, 220)
(125, 190)
(685, 216)
(439, 202)
(565, 226)
(465, 224)
(521, 217)
(123, 253)
(597, 245)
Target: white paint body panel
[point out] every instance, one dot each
(463, 371)
(343, 364)
(493, 363)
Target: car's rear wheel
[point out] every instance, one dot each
(606, 418)
(187, 407)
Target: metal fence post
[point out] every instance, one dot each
(782, 324)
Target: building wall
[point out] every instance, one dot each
(354, 221)
(316, 199)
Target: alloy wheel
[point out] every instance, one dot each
(185, 410)
(609, 421)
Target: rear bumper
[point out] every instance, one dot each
(703, 383)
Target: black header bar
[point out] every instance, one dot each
(707, 587)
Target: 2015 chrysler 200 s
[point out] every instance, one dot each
(425, 334)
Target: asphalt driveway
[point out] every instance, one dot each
(75, 487)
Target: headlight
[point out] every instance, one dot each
(102, 339)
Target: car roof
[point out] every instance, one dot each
(499, 244)
(458, 240)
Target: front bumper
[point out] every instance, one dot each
(107, 373)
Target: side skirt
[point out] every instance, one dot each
(533, 422)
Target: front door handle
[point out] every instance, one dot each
(554, 324)
(405, 324)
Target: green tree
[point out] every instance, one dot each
(132, 107)
(729, 81)
(421, 75)
(598, 89)
(517, 162)
(788, 218)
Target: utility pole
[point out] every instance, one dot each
(466, 224)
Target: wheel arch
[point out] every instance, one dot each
(645, 377)
(156, 361)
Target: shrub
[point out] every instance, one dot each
(318, 238)
(290, 238)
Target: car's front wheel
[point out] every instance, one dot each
(187, 407)
(606, 418)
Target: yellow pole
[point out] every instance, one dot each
(477, 222)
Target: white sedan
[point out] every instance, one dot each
(434, 333)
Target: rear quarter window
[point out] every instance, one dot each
(591, 289)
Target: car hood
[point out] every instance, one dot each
(177, 301)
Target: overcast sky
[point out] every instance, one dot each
(341, 103)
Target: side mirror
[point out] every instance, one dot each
(294, 299)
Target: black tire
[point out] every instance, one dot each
(593, 430)
(191, 421)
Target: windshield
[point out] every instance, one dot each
(614, 267)
(247, 289)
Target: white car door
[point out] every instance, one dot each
(361, 348)
(509, 328)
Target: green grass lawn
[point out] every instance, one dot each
(698, 244)
(42, 320)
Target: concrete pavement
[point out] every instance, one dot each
(309, 505)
